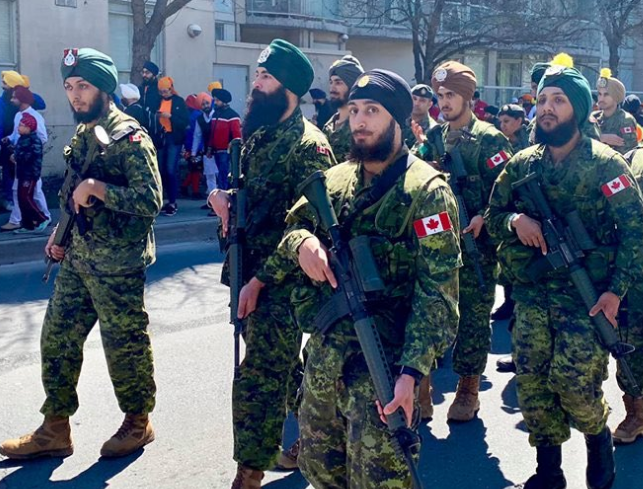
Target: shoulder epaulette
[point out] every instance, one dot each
(119, 135)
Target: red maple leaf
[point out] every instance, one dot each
(432, 224)
(616, 185)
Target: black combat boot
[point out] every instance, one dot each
(600, 460)
(549, 473)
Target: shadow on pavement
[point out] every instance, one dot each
(441, 459)
(629, 469)
(36, 474)
(293, 481)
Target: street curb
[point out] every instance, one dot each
(166, 231)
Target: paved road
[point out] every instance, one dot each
(193, 351)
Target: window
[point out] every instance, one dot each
(219, 31)
(7, 34)
(66, 3)
(121, 30)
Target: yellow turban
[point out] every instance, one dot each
(213, 85)
(26, 80)
(13, 79)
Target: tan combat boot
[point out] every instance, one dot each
(632, 426)
(424, 398)
(288, 458)
(51, 439)
(466, 403)
(135, 432)
(247, 478)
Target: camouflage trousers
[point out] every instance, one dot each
(343, 443)
(560, 364)
(473, 341)
(269, 377)
(78, 301)
(632, 333)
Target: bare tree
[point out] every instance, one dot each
(618, 20)
(146, 31)
(443, 29)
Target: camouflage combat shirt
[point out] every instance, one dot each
(120, 238)
(621, 123)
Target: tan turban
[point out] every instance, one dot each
(614, 87)
(456, 77)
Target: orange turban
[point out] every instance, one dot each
(167, 82)
(201, 97)
(213, 85)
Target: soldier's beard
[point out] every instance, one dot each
(97, 109)
(559, 136)
(264, 110)
(380, 151)
(338, 103)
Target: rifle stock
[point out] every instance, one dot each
(354, 288)
(235, 243)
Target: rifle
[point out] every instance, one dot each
(68, 216)
(356, 271)
(454, 166)
(235, 242)
(565, 248)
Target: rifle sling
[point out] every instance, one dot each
(383, 184)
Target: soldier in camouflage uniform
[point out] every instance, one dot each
(561, 363)
(632, 426)
(342, 74)
(415, 243)
(422, 102)
(617, 127)
(102, 275)
(281, 149)
(484, 151)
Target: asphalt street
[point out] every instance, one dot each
(192, 343)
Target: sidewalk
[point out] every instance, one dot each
(189, 224)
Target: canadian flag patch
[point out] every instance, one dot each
(627, 130)
(135, 138)
(615, 186)
(432, 225)
(497, 159)
(323, 150)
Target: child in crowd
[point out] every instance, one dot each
(28, 158)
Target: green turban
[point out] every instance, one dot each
(91, 65)
(575, 86)
(288, 65)
(537, 72)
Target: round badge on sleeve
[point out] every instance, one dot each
(363, 81)
(440, 75)
(263, 57)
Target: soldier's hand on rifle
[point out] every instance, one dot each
(219, 200)
(475, 226)
(612, 140)
(529, 232)
(54, 251)
(313, 260)
(609, 303)
(404, 395)
(85, 193)
(248, 297)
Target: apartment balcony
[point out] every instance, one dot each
(298, 14)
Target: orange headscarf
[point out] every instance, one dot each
(201, 97)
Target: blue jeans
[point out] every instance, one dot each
(223, 164)
(169, 166)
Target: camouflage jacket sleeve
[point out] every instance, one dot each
(625, 208)
(501, 202)
(495, 151)
(628, 133)
(433, 320)
(142, 196)
(315, 155)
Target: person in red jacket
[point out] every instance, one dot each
(225, 126)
